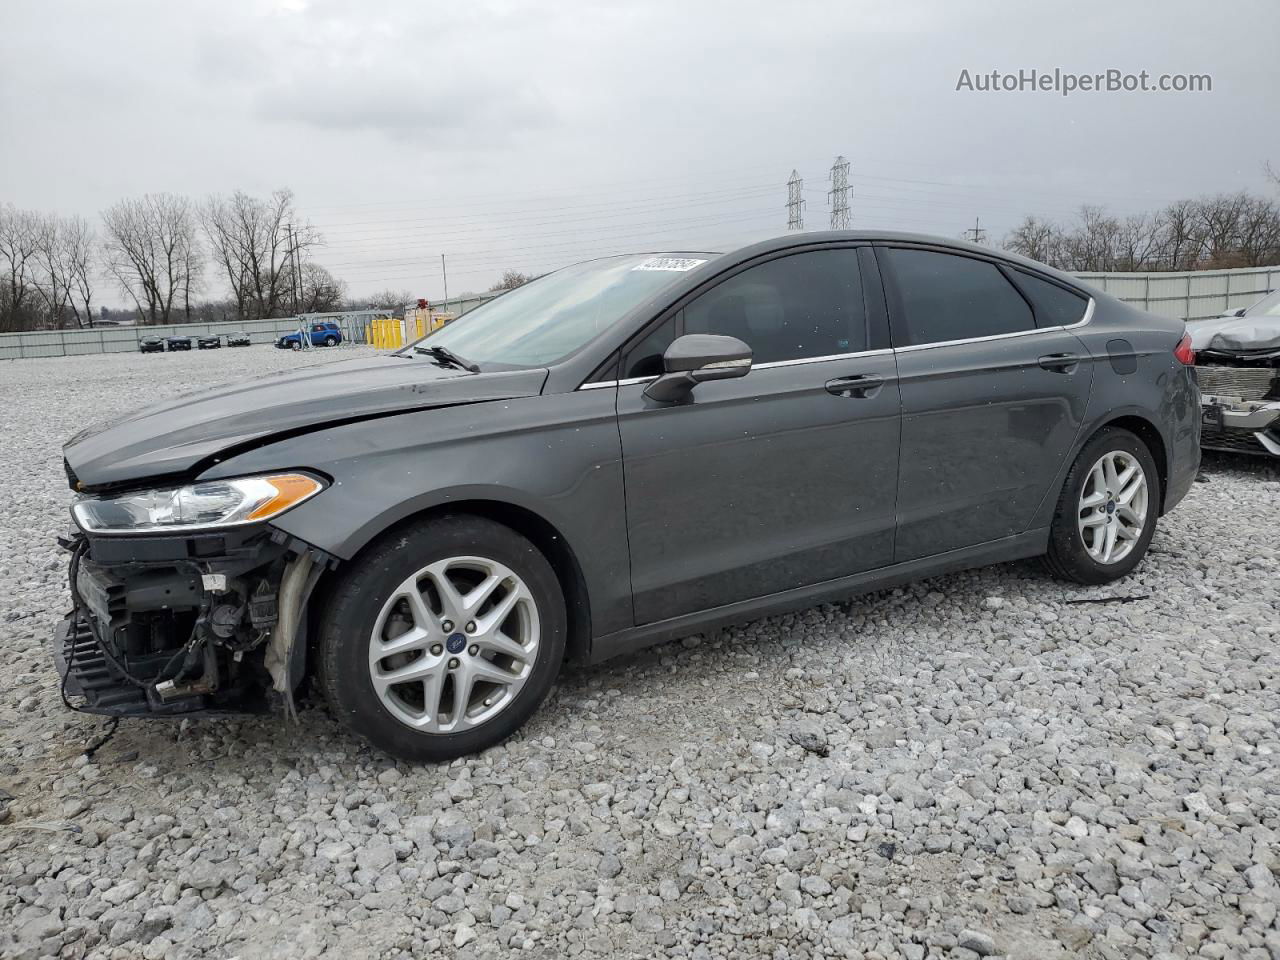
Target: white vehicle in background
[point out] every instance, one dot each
(1238, 369)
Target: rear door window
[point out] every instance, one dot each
(946, 297)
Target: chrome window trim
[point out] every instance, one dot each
(885, 351)
(1088, 315)
(1083, 321)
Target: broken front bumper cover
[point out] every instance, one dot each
(176, 625)
(98, 687)
(1240, 426)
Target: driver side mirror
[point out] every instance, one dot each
(696, 358)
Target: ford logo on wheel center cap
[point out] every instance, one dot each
(455, 643)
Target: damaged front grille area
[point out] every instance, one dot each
(1245, 383)
(175, 625)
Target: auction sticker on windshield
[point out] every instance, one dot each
(679, 264)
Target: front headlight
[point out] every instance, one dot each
(211, 503)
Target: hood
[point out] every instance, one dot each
(178, 435)
(1236, 334)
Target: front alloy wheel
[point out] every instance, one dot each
(454, 644)
(442, 637)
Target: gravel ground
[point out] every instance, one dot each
(990, 763)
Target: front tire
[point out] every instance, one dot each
(442, 638)
(1106, 513)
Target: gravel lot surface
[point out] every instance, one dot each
(991, 763)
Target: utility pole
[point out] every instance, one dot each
(445, 273)
(976, 233)
(839, 194)
(295, 280)
(795, 202)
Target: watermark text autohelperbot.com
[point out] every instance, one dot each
(1065, 82)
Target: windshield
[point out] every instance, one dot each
(1268, 306)
(551, 317)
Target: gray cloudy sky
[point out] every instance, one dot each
(528, 135)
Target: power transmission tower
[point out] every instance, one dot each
(976, 233)
(795, 202)
(839, 194)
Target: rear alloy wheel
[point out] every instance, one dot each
(330, 341)
(443, 638)
(1106, 514)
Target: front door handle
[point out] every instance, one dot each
(1060, 362)
(855, 386)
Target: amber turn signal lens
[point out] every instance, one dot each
(290, 489)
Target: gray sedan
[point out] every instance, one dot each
(621, 452)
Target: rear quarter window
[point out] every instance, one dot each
(1055, 306)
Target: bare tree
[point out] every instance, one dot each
(387, 300)
(1258, 232)
(1218, 219)
(1137, 242)
(153, 253)
(63, 277)
(250, 240)
(52, 277)
(1182, 240)
(18, 245)
(510, 280)
(320, 291)
(80, 255)
(1037, 239)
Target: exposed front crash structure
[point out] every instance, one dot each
(1238, 370)
(184, 624)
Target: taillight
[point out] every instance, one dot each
(1186, 356)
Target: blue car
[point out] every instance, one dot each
(325, 334)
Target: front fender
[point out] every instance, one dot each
(557, 456)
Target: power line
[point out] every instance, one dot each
(839, 194)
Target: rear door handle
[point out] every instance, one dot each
(855, 386)
(1060, 362)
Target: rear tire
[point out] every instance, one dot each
(1106, 514)
(483, 638)
(330, 341)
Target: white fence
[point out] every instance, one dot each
(1191, 295)
(70, 343)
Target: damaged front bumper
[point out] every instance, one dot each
(1238, 425)
(174, 625)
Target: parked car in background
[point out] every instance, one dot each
(178, 343)
(151, 344)
(211, 342)
(1238, 369)
(622, 452)
(237, 340)
(325, 334)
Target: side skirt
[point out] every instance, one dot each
(1033, 543)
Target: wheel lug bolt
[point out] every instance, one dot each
(446, 626)
(471, 627)
(436, 649)
(453, 663)
(474, 649)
